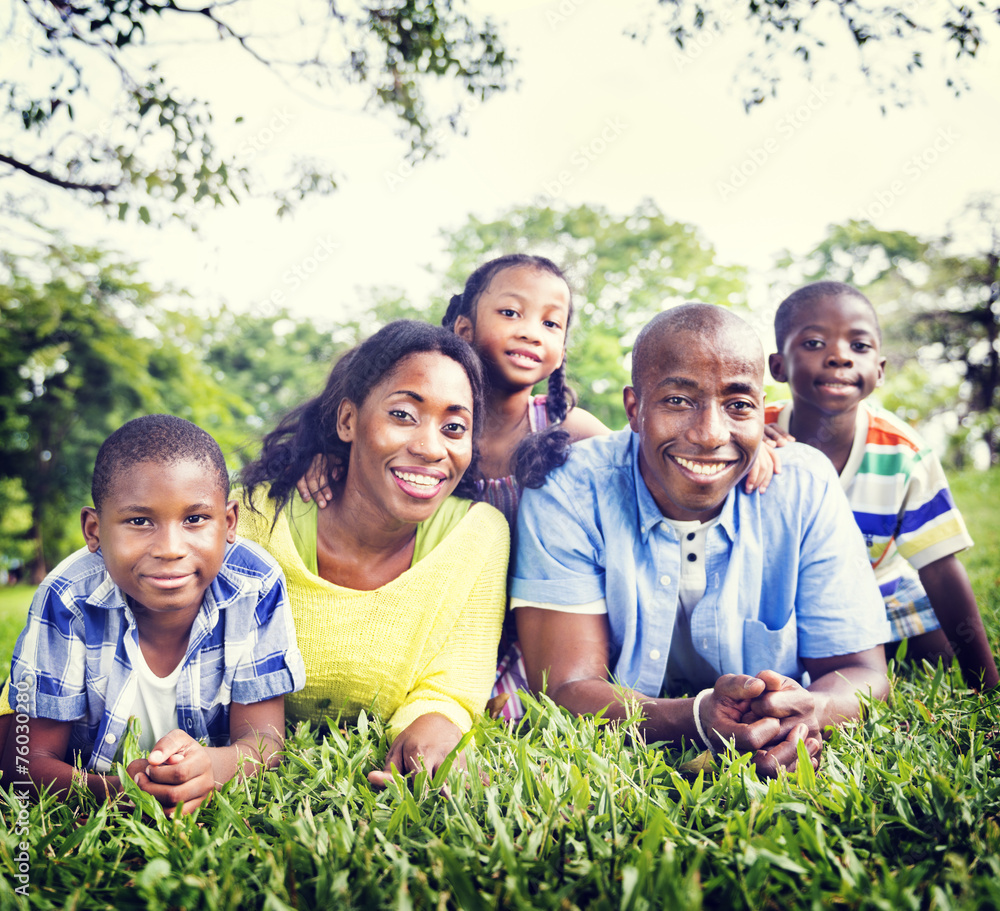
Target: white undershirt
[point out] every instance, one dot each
(155, 702)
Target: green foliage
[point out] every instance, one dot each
(156, 153)
(891, 42)
(623, 270)
(80, 355)
(569, 813)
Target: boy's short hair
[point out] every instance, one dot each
(155, 438)
(789, 307)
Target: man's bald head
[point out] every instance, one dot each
(708, 325)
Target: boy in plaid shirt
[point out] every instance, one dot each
(163, 616)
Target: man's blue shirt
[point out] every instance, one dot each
(787, 575)
(75, 659)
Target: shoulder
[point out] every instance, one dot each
(887, 431)
(76, 578)
(802, 467)
(773, 410)
(245, 559)
(581, 425)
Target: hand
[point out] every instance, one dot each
(724, 709)
(425, 743)
(178, 769)
(787, 701)
(784, 754)
(775, 437)
(315, 484)
(764, 467)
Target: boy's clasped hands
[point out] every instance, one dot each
(177, 770)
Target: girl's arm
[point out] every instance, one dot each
(581, 425)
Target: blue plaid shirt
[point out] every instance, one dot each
(74, 660)
(787, 574)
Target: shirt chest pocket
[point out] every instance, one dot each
(771, 649)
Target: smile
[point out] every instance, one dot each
(706, 469)
(168, 582)
(525, 358)
(420, 480)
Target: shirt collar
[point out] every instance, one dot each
(649, 515)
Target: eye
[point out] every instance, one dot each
(743, 407)
(861, 346)
(196, 520)
(675, 400)
(551, 324)
(138, 521)
(455, 428)
(401, 414)
(812, 344)
(508, 312)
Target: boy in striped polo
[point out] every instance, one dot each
(829, 353)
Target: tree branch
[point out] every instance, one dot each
(102, 189)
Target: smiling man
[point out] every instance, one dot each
(645, 572)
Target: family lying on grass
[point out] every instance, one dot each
(361, 565)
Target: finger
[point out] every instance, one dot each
(738, 688)
(170, 743)
(378, 779)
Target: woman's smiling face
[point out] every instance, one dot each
(411, 438)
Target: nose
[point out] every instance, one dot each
(709, 428)
(427, 443)
(530, 331)
(839, 355)
(168, 544)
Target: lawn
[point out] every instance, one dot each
(571, 813)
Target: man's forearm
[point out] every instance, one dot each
(664, 719)
(837, 692)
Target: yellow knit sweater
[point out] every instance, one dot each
(425, 642)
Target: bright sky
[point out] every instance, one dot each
(598, 118)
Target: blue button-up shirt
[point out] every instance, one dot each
(786, 571)
(75, 659)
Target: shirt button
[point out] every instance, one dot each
(704, 643)
(664, 580)
(692, 558)
(690, 535)
(654, 654)
(110, 738)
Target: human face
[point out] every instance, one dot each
(411, 438)
(699, 414)
(163, 530)
(520, 328)
(831, 359)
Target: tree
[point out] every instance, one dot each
(938, 305)
(623, 270)
(148, 150)
(80, 354)
(892, 43)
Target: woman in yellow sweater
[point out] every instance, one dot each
(397, 587)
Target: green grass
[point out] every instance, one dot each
(14, 601)
(575, 814)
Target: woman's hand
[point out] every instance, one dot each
(424, 744)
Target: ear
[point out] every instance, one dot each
(464, 329)
(347, 419)
(631, 400)
(90, 522)
(881, 372)
(232, 517)
(776, 364)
